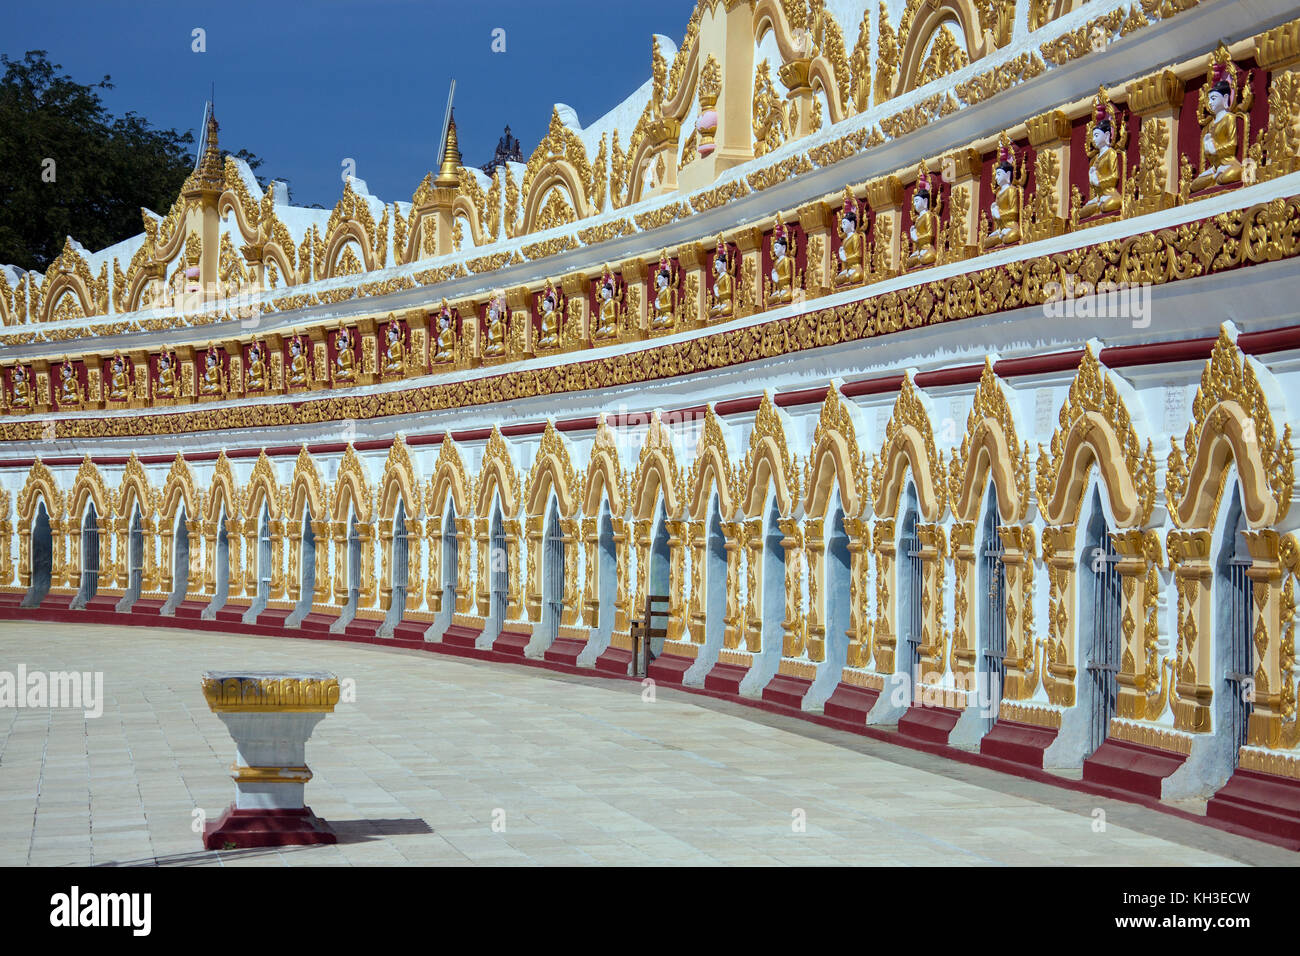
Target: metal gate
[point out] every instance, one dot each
(180, 560)
(1239, 674)
(498, 576)
(909, 550)
(354, 560)
(1104, 648)
(450, 561)
(553, 574)
(42, 558)
(400, 566)
(264, 558)
(222, 583)
(89, 556)
(994, 657)
(136, 560)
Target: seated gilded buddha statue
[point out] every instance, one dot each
(69, 386)
(212, 383)
(782, 289)
(495, 346)
(444, 344)
(394, 351)
(1005, 210)
(548, 331)
(1103, 173)
(298, 369)
(924, 230)
(606, 326)
(119, 382)
(256, 369)
(22, 391)
(1219, 144)
(166, 387)
(344, 357)
(665, 305)
(852, 244)
(720, 305)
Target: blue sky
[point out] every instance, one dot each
(307, 85)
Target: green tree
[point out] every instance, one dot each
(69, 167)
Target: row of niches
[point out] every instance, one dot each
(1112, 157)
(185, 270)
(878, 556)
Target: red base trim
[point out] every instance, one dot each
(242, 829)
(564, 650)
(1259, 801)
(458, 635)
(103, 602)
(725, 678)
(1131, 767)
(669, 668)
(410, 631)
(190, 610)
(786, 690)
(851, 703)
(931, 724)
(1021, 743)
(511, 643)
(614, 660)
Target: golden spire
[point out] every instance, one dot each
(210, 174)
(449, 174)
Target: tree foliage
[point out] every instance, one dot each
(104, 168)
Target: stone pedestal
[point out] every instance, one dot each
(270, 715)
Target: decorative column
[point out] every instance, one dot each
(859, 654)
(934, 550)
(466, 599)
(886, 640)
(194, 583)
(105, 530)
(276, 530)
(519, 340)
(638, 299)
(676, 578)
(366, 535)
(696, 609)
(1189, 556)
(963, 169)
(1265, 573)
(817, 220)
(694, 259)
(591, 572)
(1059, 668)
(414, 583)
(1157, 99)
(885, 197)
(571, 614)
(733, 539)
(747, 295)
(1018, 558)
(815, 554)
(1278, 51)
(533, 590)
(514, 597)
(576, 333)
(1047, 213)
(622, 546)
(385, 526)
(962, 658)
(294, 587)
(753, 539)
(270, 715)
(340, 539)
(165, 550)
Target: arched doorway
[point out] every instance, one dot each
(221, 572)
(909, 608)
(180, 562)
(263, 566)
(771, 605)
(553, 569)
(1101, 605)
(992, 603)
(353, 572)
(42, 558)
(89, 585)
(606, 589)
(306, 571)
(400, 573)
(659, 581)
(1234, 653)
(836, 598)
(498, 575)
(135, 562)
(715, 596)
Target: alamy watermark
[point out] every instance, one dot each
(1077, 298)
(61, 689)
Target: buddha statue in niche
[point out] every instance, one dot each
(20, 389)
(166, 387)
(852, 242)
(256, 368)
(1007, 199)
(394, 350)
(782, 290)
(607, 313)
(496, 328)
(444, 344)
(119, 380)
(69, 386)
(721, 306)
(345, 360)
(1106, 139)
(665, 295)
(297, 363)
(924, 231)
(1220, 166)
(548, 333)
(213, 375)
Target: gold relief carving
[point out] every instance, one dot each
(1094, 415)
(1230, 409)
(771, 119)
(1093, 35)
(990, 447)
(909, 443)
(661, 216)
(280, 694)
(1277, 150)
(603, 233)
(719, 196)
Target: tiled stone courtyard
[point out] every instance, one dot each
(444, 761)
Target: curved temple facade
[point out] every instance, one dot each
(930, 382)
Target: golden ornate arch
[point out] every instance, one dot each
(1231, 422)
(768, 459)
(711, 469)
(352, 221)
(1095, 426)
(89, 486)
(552, 469)
(497, 473)
(352, 487)
(909, 444)
(40, 483)
(261, 486)
(179, 489)
(135, 489)
(828, 68)
(559, 161)
(223, 490)
(449, 478)
(400, 479)
(656, 473)
(921, 22)
(306, 488)
(835, 460)
(990, 447)
(604, 474)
